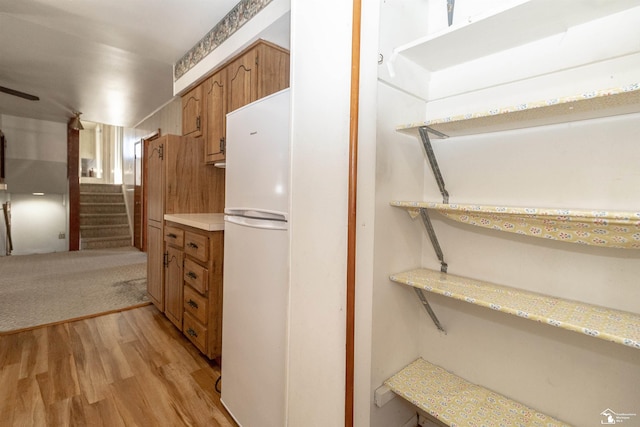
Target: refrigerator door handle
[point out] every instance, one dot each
(259, 214)
(257, 223)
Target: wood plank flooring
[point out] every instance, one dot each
(132, 368)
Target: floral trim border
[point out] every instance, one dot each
(239, 15)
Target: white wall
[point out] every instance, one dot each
(39, 149)
(168, 120)
(36, 223)
(591, 164)
(320, 70)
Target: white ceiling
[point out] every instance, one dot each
(112, 60)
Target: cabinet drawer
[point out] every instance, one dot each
(195, 304)
(197, 246)
(174, 236)
(196, 275)
(196, 333)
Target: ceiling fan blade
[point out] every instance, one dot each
(19, 94)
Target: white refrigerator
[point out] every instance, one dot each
(256, 263)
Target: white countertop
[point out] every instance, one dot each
(203, 221)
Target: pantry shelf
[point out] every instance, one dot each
(617, 326)
(584, 106)
(613, 229)
(455, 401)
(484, 34)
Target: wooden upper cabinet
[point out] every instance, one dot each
(260, 71)
(215, 95)
(192, 112)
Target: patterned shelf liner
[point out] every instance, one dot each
(620, 327)
(588, 105)
(457, 402)
(613, 229)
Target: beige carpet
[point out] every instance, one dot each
(48, 288)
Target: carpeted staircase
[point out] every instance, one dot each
(103, 217)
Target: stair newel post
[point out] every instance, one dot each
(73, 176)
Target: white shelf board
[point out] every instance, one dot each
(617, 326)
(500, 29)
(585, 106)
(611, 229)
(457, 402)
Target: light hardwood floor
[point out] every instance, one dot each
(132, 368)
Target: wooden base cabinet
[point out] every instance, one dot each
(177, 180)
(199, 286)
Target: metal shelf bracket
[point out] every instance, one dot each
(426, 220)
(430, 312)
(431, 157)
(443, 266)
(433, 162)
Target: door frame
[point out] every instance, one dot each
(144, 177)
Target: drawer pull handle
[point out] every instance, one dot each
(192, 333)
(192, 245)
(192, 275)
(192, 303)
(172, 236)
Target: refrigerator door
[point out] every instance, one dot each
(257, 157)
(254, 327)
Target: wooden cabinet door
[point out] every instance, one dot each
(192, 112)
(261, 71)
(155, 270)
(215, 94)
(243, 80)
(173, 286)
(273, 69)
(216, 256)
(155, 181)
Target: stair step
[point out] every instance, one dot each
(103, 219)
(90, 231)
(103, 208)
(101, 188)
(105, 242)
(101, 198)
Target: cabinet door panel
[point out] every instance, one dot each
(173, 286)
(273, 70)
(216, 110)
(192, 112)
(155, 270)
(155, 182)
(242, 80)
